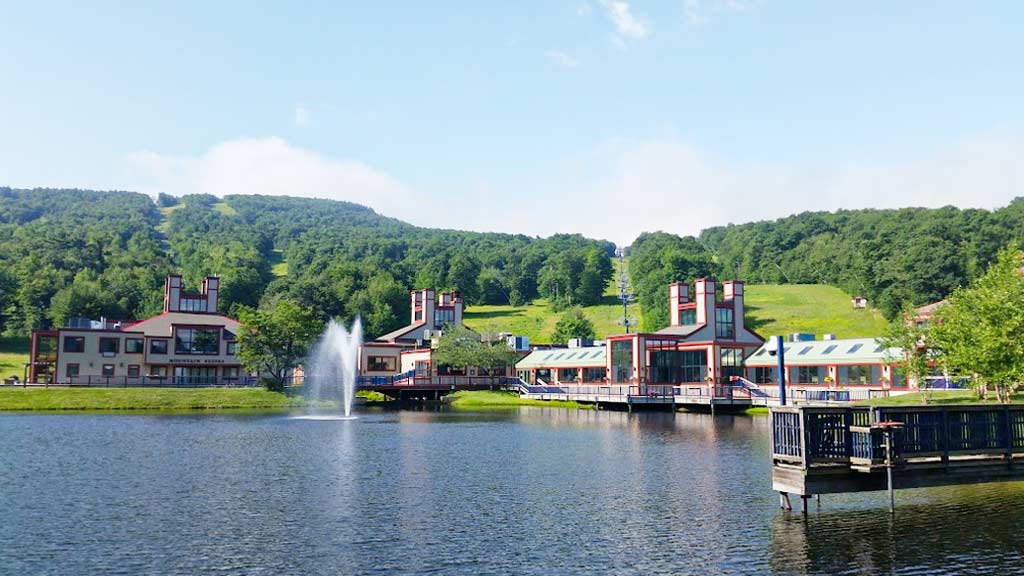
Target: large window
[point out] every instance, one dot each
(622, 360)
(203, 341)
(724, 327)
(190, 304)
(71, 370)
(109, 346)
(133, 346)
(232, 347)
(382, 364)
(808, 374)
(860, 374)
(762, 375)
(195, 375)
(231, 372)
(542, 376)
(732, 362)
(158, 346)
(133, 371)
(688, 316)
(594, 374)
(676, 367)
(443, 317)
(74, 343)
(568, 375)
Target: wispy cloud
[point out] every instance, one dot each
(627, 26)
(269, 166)
(699, 12)
(563, 59)
(584, 9)
(301, 115)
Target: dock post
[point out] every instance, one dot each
(803, 503)
(888, 470)
(784, 501)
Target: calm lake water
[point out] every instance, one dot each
(531, 491)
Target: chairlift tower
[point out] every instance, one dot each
(625, 295)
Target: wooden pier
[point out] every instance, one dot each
(826, 450)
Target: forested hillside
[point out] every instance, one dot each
(66, 253)
(895, 258)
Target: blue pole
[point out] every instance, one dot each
(781, 355)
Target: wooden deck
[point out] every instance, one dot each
(824, 450)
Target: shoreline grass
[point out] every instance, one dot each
(487, 399)
(939, 398)
(147, 399)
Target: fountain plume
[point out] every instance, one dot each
(334, 363)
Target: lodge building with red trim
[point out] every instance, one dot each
(190, 344)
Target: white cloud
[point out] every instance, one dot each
(623, 187)
(613, 190)
(562, 59)
(301, 115)
(268, 166)
(627, 26)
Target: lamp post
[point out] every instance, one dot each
(780, 354)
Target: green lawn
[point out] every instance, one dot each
(278, 266)
(815, 308)
(771, 309)
(940, 397)
(144, 399)
(225, 209)
(537, 321)
(485, 399)
(13, 356)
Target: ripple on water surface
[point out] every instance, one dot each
(530, 491)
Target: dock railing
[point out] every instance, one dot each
(809, 436)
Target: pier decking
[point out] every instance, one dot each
(741, 396)
(823, 450)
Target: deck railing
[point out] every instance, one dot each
(143, 382)
(810, 435)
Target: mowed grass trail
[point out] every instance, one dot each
(771, 309)
(814, 308)
(13, 356)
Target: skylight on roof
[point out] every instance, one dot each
(854, 348)
(760, 352)
(570, 355)
(829, 349)
(879, 349)
(805, 350)
(598, 353)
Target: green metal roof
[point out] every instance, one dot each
(822, 352)
(589, 356)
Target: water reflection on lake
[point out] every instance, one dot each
(530, 491)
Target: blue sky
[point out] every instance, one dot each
(602, 117)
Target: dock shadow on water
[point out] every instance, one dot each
(945, 531)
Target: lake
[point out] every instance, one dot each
(527, 491)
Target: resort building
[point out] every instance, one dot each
(704, 345)
(189, 344)
(863, 364)
(405, 356)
